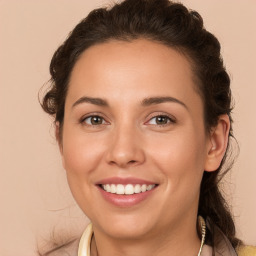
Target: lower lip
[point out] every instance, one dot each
(125, 200)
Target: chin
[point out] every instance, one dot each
(127, 232)
(125, 227)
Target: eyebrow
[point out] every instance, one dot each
(146, 102)
(159, 100)
(94, 101)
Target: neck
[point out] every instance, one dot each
(179, 240)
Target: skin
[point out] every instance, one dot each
(128, 141)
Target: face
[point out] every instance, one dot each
(134, 121)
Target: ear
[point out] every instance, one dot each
(58, 136)
(217, 145)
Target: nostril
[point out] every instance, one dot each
(132, 161)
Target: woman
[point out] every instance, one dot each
(142, 107)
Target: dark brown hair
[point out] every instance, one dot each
(173, 25)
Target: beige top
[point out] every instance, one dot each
(207, 250)
(224, 248)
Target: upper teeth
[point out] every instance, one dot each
(128, 189)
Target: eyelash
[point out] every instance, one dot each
(170, 119)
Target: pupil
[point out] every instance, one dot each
(96, 120)
(161, 120)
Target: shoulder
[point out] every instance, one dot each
(59, 247)
(246, 251)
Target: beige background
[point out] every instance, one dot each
(34, 193)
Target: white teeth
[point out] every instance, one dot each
(128, 189)
(113, 188)
(119, 189)
(137, 188)
(143, 188)
(108, 189)
(149, 187)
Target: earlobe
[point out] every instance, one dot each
(217, 145)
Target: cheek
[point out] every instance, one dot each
(81, 154)
(181, 158)
(179, 149)
(81, 157)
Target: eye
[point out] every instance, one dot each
(93, 120)
(161, 120)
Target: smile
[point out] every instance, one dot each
(128, 189)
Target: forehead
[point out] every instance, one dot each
(137, 54)
(124, 67)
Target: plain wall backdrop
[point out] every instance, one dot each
(35, 197)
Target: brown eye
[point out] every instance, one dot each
(161, 120)
(94, 120)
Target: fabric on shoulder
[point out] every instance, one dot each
(222, 246)
(246, 251)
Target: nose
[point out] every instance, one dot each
(126, 147)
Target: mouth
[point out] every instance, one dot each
(127, 189)
(126, 194)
